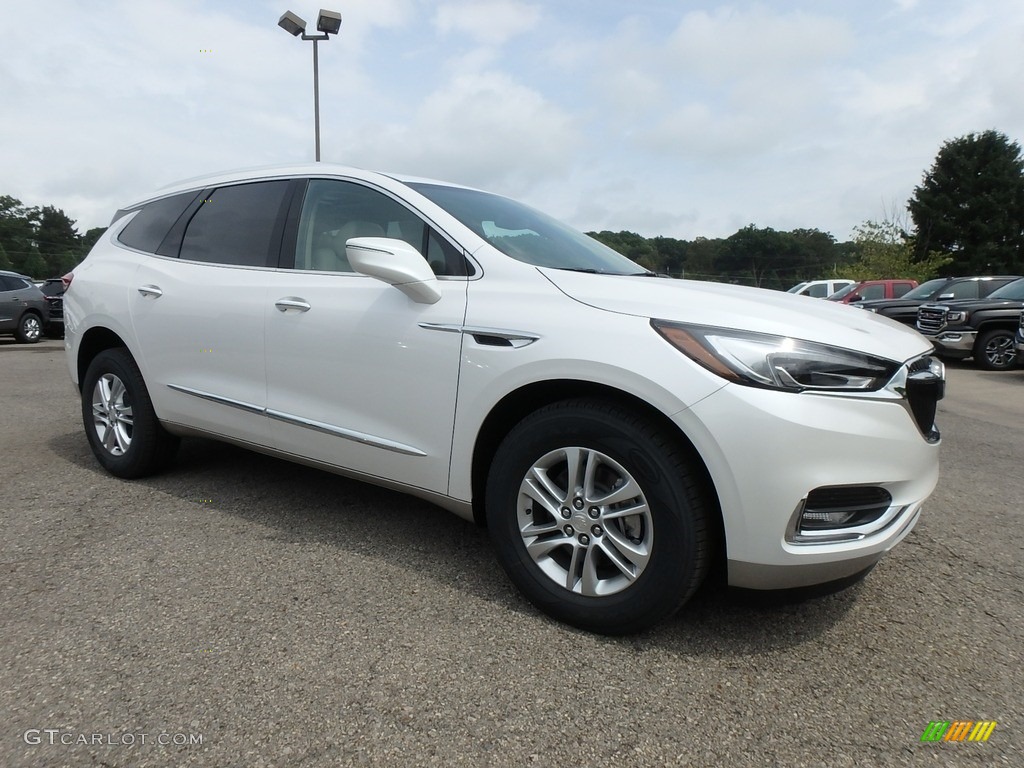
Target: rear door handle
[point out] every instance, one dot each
(150, 291)
(292, 303)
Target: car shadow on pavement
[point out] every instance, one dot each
(299, 505)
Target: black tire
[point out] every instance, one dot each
(30, 328)
(145, 446)
(674, 532)
(994, 350)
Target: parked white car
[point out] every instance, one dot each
(616, 432)
(820, 289)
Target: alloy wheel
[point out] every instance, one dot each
(585, 521)
(112, 414)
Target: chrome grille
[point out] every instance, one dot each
(931, 319)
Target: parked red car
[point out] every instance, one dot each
(873, 289)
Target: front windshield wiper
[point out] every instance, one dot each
(592, 271)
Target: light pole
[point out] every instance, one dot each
(328, 23)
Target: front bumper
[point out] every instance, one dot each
(767, 451)
(954, 343)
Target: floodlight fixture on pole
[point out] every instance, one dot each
(328, 23)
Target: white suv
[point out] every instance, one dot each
(616, 432)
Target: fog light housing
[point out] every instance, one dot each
(839, 513)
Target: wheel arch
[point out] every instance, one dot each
(94, 341)
(519, 403)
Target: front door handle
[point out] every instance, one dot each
(150, 291)
(292, 302)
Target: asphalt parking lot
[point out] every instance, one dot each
(242, 611)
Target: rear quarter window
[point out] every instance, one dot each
(149, 228)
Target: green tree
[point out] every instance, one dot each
(971, 204)
(57, 241)
(761, 257)
(17, 233)
(631, 245)
(884, 251)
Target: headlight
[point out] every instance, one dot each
(777, 362)
(956, 317)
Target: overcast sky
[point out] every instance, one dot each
(664, 117)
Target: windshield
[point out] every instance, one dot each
(1010, 292)
(796, 288)
(926, 289)
(526, 234)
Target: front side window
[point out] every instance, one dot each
(965, 290)
(819, 291)
(235, 225)
(333, 212)
(876, 291)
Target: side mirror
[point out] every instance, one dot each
(396, 263)
(855, 298)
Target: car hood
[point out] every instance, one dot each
(890, 303)
(973, 305)
(742, 308)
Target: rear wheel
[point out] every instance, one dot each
(30, 328)
(598, 516)
(994, 350)
(120, 422)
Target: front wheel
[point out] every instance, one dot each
(598, 516)
(120, 423)
(994, 350)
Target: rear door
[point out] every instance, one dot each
(199, 310)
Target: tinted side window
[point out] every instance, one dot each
(11, 283)
(965, 290)
(987, 286)
(335, 211)
(235, 225)
(819, 291)
(876, 291)
(148, 229)
(899, 289)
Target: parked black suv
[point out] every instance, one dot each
(981, 328)
(23, 308)
(53, 290)
(904, 309)
(1020, 339)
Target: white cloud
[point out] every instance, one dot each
(491, 22)
(480, 129)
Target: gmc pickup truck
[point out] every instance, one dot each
(940, 289)
(981, 328)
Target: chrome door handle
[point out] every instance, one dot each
(150, 291)
(291, 303)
